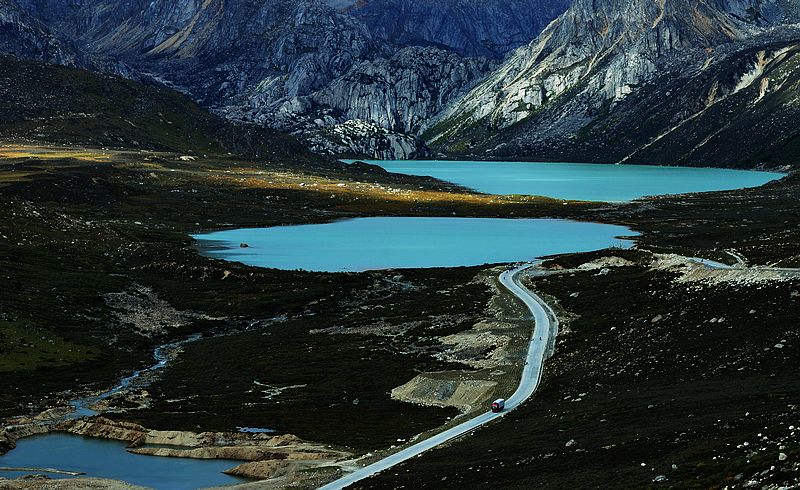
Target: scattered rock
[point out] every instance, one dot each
(141, 308)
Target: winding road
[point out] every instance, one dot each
(541, 347)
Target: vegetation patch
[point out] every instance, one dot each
(25, 349)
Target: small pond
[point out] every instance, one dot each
(109, 459)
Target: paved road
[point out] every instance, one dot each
(541, 347)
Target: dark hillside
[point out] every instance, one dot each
(59, 104)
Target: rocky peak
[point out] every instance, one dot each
(402, 92)
(606, 49)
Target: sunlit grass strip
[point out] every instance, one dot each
(367, 190)
(51, 153)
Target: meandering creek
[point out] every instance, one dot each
(161, 355)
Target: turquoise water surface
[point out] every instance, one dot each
(580, 181)
(109, 459)
(395, 243)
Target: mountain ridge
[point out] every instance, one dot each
(584, 82)
(615, 81)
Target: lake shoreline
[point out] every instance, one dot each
(785, 169)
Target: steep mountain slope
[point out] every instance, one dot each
(60, 104)
(23, 36)
(397, 93)
(608, 78)
(214, 48)
(740, 111)
(489, 28)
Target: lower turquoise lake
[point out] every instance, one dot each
(580, 181)
(395, 243)
(101, 458)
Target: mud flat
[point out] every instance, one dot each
(41, 482)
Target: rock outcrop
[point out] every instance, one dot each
(362, 139)
(104, 428)
(401, 93)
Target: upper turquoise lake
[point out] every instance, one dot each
(580, 181)
(394, 243)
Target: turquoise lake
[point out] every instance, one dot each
(581, 181)
(395, 243)
(109, 459)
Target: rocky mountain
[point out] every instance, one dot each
(645, 81)
(671, 81)
(487, 28)
(313, 67)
